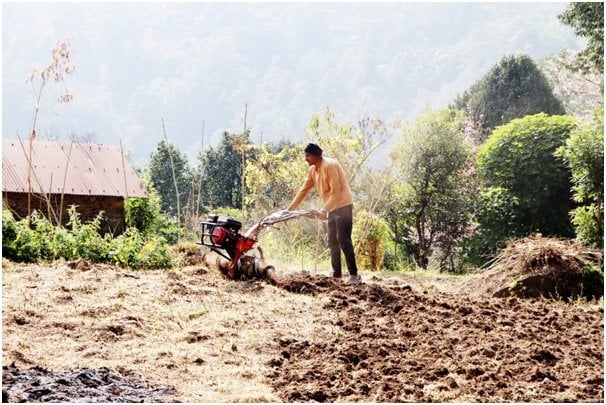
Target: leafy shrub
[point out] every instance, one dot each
(18, 242)
(396, 259)
(64, 244)
(35, 239)
(433, 160)
(9, 235)
(145, 214)
(584, 155)
(124, 250)
(155, 254)
(141, 213)
(517, 164)
(593, 282)
(588, 224)
(371, 234)
(89, 244)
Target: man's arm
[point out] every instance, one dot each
(303, 191)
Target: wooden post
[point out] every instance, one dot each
(172, 164)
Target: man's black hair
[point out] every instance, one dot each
(313, 149)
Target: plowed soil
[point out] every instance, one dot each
(395, 344)
(192, 335)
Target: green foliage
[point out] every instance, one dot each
(131, 249)
(593, 282)
(145, 214)
(160, 172)
(351, 146)
(141, 213)
(88, 243)
(398, 212)
(496, 212)
(589, 224)
(513, 88)
(273, 177)
(124, 250)
(587, 19)
(17, 240)
(231, 212)
(35, 239)
(371, 235)
(432, 158)
(395, 259)
(584, 155)
(580, 92)
(221, 171)
(526, 188)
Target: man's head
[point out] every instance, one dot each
(313, 154)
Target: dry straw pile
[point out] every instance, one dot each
(539, 266)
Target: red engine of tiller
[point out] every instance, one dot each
(222, 235)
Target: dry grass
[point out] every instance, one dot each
(533, 254)
(187, 328)
(530, 256)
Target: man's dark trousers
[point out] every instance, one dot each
(339, 238)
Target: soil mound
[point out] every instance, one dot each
(543, 267)
(303, 282)
(83, 385)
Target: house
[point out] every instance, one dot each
(93, 177)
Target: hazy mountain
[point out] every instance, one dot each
(137, 63)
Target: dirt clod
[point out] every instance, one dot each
(37, 384)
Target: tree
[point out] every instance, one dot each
(221, 182)
(525, 187)
(351, 146)
(513, 88)
(273, 177)
(580, 92)
(587, 20)
(432, 159)
(584, 155)
(160, 172)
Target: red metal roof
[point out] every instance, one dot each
(91, 169)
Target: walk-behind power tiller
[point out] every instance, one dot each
(222, 235)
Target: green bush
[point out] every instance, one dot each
(155, 254)
(124, 250)
(35, 239)
(584, 155)
(131, 249)
(526, 187)
(18, 240)
(588, 225)
(593, 282)
(371, 234)
(9, 235)
(396, 259)
(64, 244)
(145, 214)
(89, 244)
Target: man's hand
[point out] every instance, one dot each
(320, 214)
